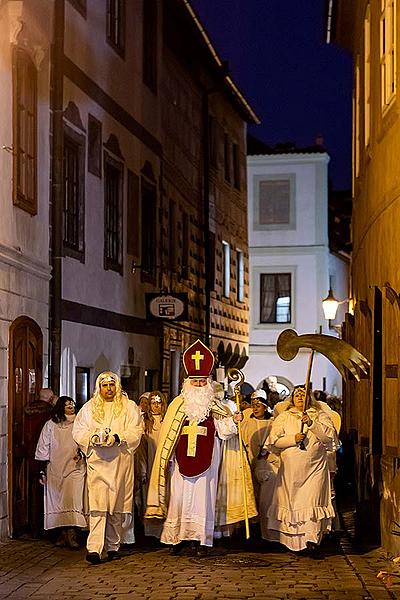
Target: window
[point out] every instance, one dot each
(236, 166)
(212, 141)
(211, 270)
(150, 44)
(275, 297)
(113, 186)
(172, 242)
(367, 76)
(133, 214)
(357, 119)
(94, 146)
(116, 24)
(24, 132)
(227, 158)
(226, 254)
(388, 51)
(274, 202)
(82, 386)
(74, 194)
(185, 245)
(240, 275)
(149, 228)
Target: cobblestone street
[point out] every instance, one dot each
(36, 569)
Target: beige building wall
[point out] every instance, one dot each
(372, 413)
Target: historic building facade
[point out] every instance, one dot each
(122, 174)
(291, 263)
(24, 242)
(370, 30)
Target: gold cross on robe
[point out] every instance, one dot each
(197, 357)
(192, 431)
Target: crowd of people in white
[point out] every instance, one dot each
(176, 467)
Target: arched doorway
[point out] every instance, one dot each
(25, 381)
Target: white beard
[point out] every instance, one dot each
(197, 401)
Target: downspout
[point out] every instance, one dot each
(206, 205)
(56, 192)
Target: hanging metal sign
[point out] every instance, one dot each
(171, 307)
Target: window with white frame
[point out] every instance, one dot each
(388, 51)
(367, 75)
(226, 250)
(275, 297)
(274, 201)
(240, 275)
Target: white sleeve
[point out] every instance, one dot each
(44, 442)
(225, 428)
(133, 431)
(82, 431)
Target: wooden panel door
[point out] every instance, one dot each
(25, 381)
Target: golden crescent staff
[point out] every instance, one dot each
(237, 375)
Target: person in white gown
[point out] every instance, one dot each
(301, 510)
(256, 427)
(108, 429)
(63, 474)
(153, 419)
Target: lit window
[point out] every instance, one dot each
(240, 276)
(388, 51)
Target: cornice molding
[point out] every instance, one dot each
(16, 259)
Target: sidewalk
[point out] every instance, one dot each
(36, 569)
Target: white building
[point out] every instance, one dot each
(291, 266)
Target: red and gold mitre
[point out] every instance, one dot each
(198, 360)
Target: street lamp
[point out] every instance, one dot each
(330, 306)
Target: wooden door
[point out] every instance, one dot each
(25, 381)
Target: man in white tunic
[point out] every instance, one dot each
(188, 456)
(108, 429)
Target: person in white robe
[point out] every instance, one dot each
(301, 510)
(63, 474)
(153, 419)
(184, 477)
(256, 427)
(108, 429)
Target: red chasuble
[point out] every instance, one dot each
(194, 449)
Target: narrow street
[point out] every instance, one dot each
(36, 569)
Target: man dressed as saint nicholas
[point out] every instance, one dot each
(184, 478)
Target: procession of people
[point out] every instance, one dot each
(189, 472)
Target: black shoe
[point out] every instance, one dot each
(313, 550)
(113, 555)
(175, 549)
(93, 558)
(201, 551)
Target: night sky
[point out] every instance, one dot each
(298, 85)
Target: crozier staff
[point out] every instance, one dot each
(108, 429)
